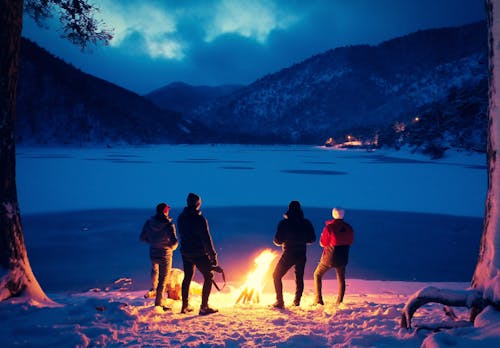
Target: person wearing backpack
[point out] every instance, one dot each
(159, 232)
(336, 239)
(294, 232)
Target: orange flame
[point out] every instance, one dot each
(255, 282)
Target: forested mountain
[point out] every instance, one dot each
(371, 93)
(59, 104)
(354, 88)
(181, 97)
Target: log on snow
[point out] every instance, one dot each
(455, 298)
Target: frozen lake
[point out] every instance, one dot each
(62, 179)
(415, 219)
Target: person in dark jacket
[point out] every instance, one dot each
(336, 239)
(197, 251)
(159, 232)
(294, 232)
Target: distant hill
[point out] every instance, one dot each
(181, 97)
(368, 92)
(59, 104)
(352, 88)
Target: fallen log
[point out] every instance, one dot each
(456, 298)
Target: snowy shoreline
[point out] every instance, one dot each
(118, 317)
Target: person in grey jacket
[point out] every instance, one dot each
(159, 232)
(197, 251)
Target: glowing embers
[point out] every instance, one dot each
(251, 291)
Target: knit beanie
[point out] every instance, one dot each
(162, 210)
(338, 213)
(193, 200)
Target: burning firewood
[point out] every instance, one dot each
(252, 289)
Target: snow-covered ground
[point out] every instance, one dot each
(369, 318)
(416, 221)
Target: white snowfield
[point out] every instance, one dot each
(370, 317)
(116, 314)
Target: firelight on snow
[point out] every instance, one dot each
(251, 291)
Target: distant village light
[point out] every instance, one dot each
(399, 127)
(330, 142)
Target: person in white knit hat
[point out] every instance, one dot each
(336, 239)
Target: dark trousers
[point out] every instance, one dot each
(287, 260)
(318, 275)
(161, 264)
(190, 264)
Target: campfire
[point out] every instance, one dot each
(251, 291)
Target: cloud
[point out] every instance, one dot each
(165, 28)
(154, 24)
(250, 19)
(213, 42)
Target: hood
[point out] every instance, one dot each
(328, 222)
(191, 211)
(157, 224)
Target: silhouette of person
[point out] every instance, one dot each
(159, 232)
(197, 251)
(294, 232)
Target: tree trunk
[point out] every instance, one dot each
(16, 275)
(487, 274)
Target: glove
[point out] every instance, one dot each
(213, 260)
(217, 269)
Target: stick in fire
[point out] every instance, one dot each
(252, 289)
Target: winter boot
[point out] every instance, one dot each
(150, 294)
(207, 310)
(186, 309)
(318, 301)
(278, 305)
(162, 309)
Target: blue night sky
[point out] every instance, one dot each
(214, 42)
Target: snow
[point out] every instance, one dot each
(83, 209)
(485, 334)
(369, 318)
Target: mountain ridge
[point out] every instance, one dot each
(179, 96)
(348, 87)
(60, 104)
(360, 90)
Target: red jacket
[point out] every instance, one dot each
(336, 233)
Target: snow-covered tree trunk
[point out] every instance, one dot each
(16, 275)
(81, 28)
(486, 279)
(487, 274)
